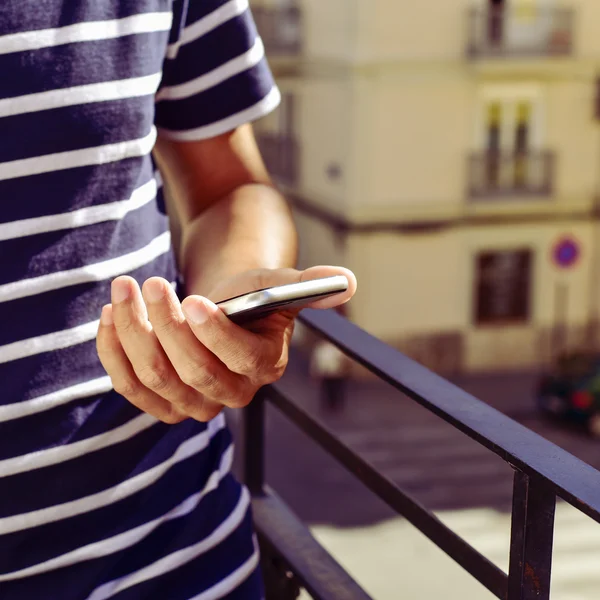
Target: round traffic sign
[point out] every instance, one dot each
(566, 252)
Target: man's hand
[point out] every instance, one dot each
(178, 360)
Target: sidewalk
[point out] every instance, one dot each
(392, 561)
(466, 485)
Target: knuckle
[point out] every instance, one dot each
(171, 417)
(128, 388)
(165, 323)
(125, 326)
(268, 376)
(154, 377)
(209, 410)
(197, 407)
(262, 370)
(253, 363)
(276, 373)
(202, 378)
(241, 400)
(105, 346)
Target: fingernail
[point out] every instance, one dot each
(195, 311)
(106, 317)
(120, 290)
(154, 291)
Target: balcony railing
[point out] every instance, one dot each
(520, 31)
(280, 29)
(281, 155)
(292, 558)
(501, 174)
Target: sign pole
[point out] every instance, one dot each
(566, 253)
(561, 305)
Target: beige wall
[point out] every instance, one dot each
(401, 130)
(430, 30)
(587, 17)
(329, 29)
(326, 129)
(424, 285)
(402, 144)
(398, 117)
(424, 30)
(408, 284)
(436, 31)
(574, 134)
(419, 138)
(520, 346)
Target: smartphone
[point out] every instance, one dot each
(261, 303)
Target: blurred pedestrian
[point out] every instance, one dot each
(330, 366)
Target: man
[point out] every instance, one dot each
(114, 456)
(330, 367)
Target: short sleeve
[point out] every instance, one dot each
(215, 74)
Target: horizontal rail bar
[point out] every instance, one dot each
(313, 566)
(572, 479)
(488, 574)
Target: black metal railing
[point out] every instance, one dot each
(543, 473)
(520, 31)
(281, 155)
(280, 29)
(501, 174)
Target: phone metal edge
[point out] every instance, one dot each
(335, 284)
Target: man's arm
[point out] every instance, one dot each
(177, 359)
(232, 217)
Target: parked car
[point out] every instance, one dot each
(571, 391)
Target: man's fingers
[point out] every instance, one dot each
(150, 364)
(266, 278)
(124, 380)
(242, 351)
(326, 271)
(173, 359)
(194, 364)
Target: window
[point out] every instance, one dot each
(509, 158)
(522, 135)
(503, 287)
(510, 118)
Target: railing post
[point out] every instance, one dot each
(254, 444)
(532, 533)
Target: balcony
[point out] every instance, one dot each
(280, 29)
(520, 32)
(281, 155)
(292, 559)
(499, 175)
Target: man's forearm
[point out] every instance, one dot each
(252, 228)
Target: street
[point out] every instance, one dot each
(466, 485)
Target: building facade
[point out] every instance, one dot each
(449, 153)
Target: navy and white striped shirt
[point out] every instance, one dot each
(98, 500)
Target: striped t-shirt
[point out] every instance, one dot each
(98, 500)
